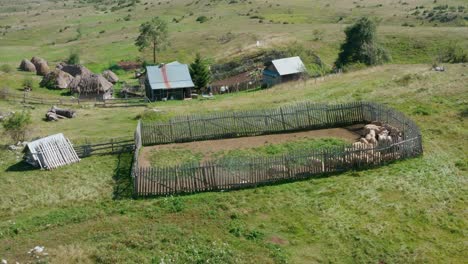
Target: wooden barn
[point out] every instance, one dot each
(50, 152)
(283, 70)
(168, 82)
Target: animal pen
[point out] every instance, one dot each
(252, 172)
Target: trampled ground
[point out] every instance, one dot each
(210, 147)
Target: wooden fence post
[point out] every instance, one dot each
(282, 118)
(190, 127)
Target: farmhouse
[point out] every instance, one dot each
(168, 81)
(50, 152)
(283, 70)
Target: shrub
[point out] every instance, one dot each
(202, 19)
(453, 54)
(28, 83)
(74, 58)
(6, 68)
(16, 125)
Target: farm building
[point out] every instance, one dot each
(168, 81)
(50, 152)
(283, 70)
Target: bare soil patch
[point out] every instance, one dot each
(243, 77)
(208, 147)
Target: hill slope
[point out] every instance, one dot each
(408, 212)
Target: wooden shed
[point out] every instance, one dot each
(168, 81)
(283, 70)
(50, 152)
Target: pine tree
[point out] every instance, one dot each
(200, 72)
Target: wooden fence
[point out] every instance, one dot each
(26, 98)
(110, 147)
(243, 173)
(238, 87)
(303, 116)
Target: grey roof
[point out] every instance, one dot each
(289, 65)
(174, 63)
(169, 76)
(52, 152)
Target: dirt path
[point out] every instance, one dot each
(211, 146)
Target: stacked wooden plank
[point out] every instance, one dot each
(51, 152)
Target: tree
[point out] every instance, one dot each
(153, 34)
(361, 45)
(200, 72)
(16, 125)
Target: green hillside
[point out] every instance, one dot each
(411, 211)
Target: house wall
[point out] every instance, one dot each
(171, 94)
(271, 78)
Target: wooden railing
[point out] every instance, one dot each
(105, 148)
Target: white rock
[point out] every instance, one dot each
(4, 261)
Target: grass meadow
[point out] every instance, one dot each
(412, 211)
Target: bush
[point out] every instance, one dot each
(17, 125)
(453, 54)
(202, 19)
(6, 68)
(28, 83)
(74, 58)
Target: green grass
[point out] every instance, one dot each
(413, 211)
(407, 212)
(174, 157)
(270, 150)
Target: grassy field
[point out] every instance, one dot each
(412, 211)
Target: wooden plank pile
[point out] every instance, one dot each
(51, 152)
(55, 113)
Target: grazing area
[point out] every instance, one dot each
(179, 153)
(408, 211)
(387, 136)
(85, 211)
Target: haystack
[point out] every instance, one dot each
(110, 76)
(74, 70)
(57, 79)
(42, 68)
(93, 84)
(27, 65)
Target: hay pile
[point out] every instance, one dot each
(110, 76)
(92, 84)
(74, 70)
(78, 79)
(57, 79)
(42, 68)
(27, 65)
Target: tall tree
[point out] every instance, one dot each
(361, 45)
(200, 72)
(153, 34)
